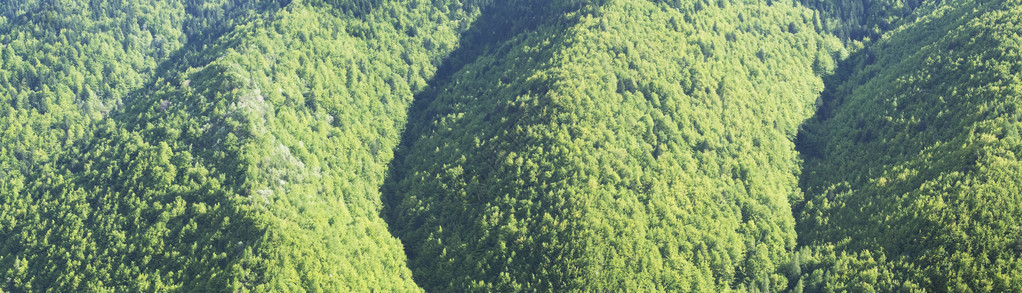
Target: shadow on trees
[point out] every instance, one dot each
(105, 139)
(811, 137)
(489, 35)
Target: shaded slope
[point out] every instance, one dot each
(912, 178)
(60, 71)
(857, 22)
(625, 146)
(252, 163)
(66, 65)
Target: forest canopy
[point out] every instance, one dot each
(504, 146)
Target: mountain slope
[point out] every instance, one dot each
(251, 161)
(621, 146)
(525, 145)
(858, 22)
(911, 175)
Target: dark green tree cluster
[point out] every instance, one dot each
(617, 146)
(860, 21)
(65, 64)
(912, 175)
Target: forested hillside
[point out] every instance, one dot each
(248, 158)
(857, 22)
(504, 146)
(911, 171)
(618, 146)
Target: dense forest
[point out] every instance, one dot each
(911, 177)
(504, 146)
(584, 150)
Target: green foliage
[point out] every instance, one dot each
(523, 145)
(911, 164)
(858, 21)
(60, 71)
(247, 159)
(627, 146)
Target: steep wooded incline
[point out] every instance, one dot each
(251, 159)
(912, 175)
(623, 146)
(504, 146)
